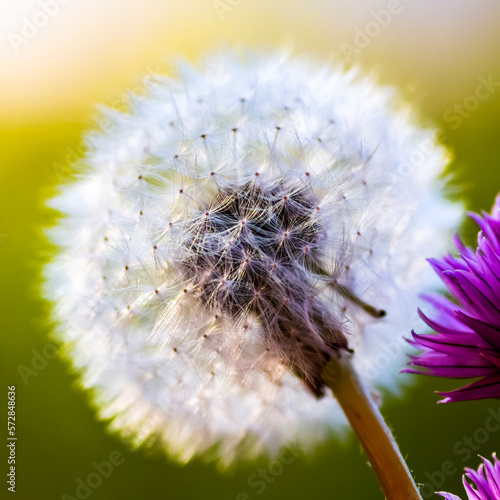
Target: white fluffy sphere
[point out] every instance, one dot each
(234, 215)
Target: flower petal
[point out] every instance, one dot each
(487, 331)
(485, 388)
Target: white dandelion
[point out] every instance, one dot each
(235, 229)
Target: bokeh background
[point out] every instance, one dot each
(89, 51)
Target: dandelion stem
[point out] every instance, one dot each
(372, 311)
(348, 294)
(374, 434)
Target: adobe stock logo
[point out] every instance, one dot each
(224, 6)
(265, 476)
(461, 111)
(39, 362)
(465, 448)
(364, 35)
(101, 471)
(33, 24)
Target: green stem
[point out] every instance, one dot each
(369, 425)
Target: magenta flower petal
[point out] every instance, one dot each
(487, 331)
(493, 475)
(484, 483)
(449, 496)
(486, 388)
(467, 339)
(445, 311)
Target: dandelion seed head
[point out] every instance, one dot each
(259, 206)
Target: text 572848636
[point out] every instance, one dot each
(11, 438)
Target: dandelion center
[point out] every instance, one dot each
(248, 231)
(255, 255)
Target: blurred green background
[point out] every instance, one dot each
(90, 51)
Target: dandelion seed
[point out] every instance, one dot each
(271, 181)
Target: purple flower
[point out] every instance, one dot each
(486, 481)
(467, 344)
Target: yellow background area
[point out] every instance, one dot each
(90, 49)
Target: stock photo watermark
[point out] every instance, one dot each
(11, 438)
(74, 154)
(31, 25)
(223, 7)
(39, 361)
(363, 36)
(263, 477)
(464, 449)
(457, 113)
(94, 479)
